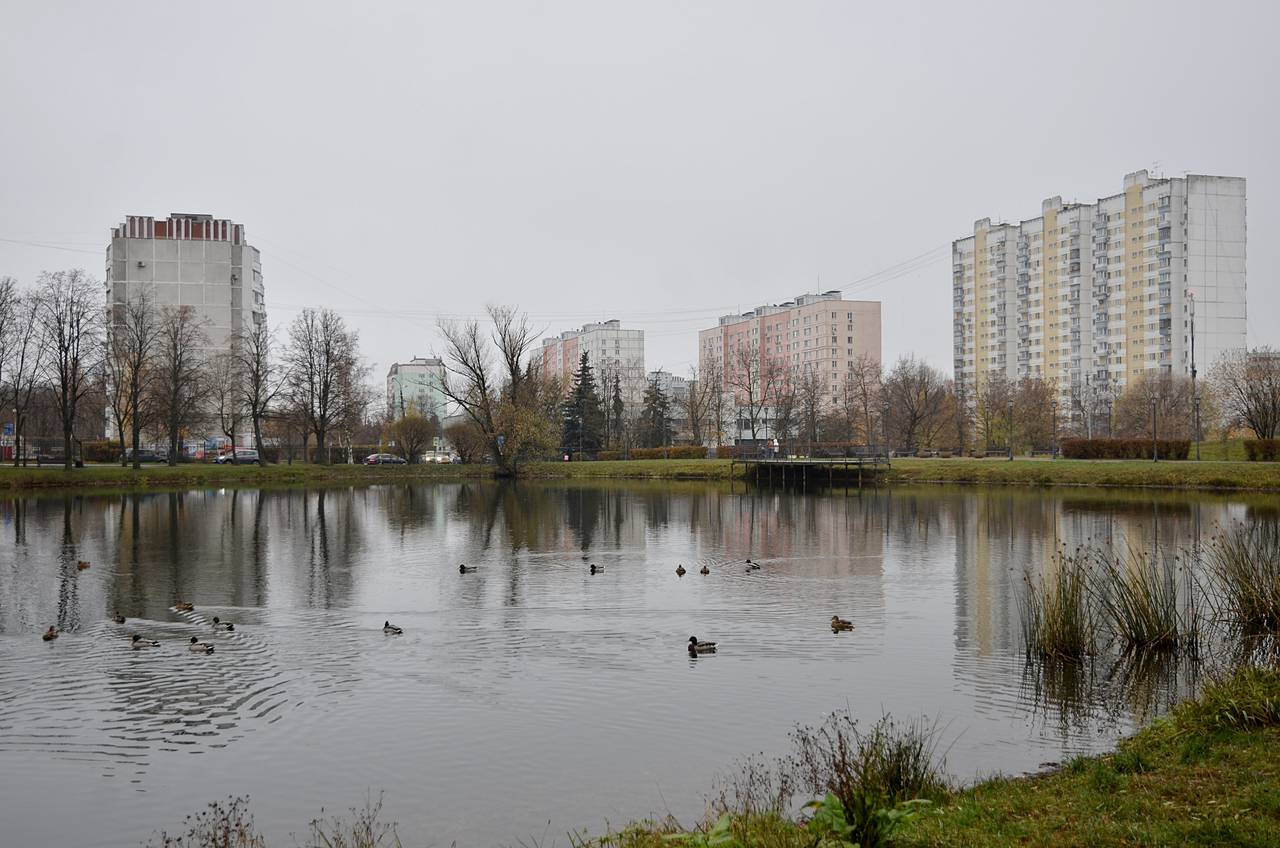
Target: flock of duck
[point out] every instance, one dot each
(137, 643)
(696, 646)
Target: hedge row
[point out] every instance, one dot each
(1262, 450)
(1124, 448)
(673, 452)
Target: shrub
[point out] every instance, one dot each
(1262, 450)
(673, 452)
(609, 455)
(101, 451)
(1124, 448)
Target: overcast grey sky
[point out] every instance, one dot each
(661, 163)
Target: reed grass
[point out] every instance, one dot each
(1138, 598)
(1244, 563)
(1058, 616)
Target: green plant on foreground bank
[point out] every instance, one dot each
(1206, 774)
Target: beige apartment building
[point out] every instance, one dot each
(820, 334)
(1090, 295)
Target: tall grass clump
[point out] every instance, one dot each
(1244, 562)
(1139, 599)
(1057, 616)
(229, 824)
(1249, 698)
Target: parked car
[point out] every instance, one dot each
(383, 459)
(144, 455)
(246, 455)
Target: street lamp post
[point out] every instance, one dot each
(1155, 448)
(1195, 396)
(1054, 405)
(1011, 431)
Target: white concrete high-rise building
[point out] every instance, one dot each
(189, 260)
(1099, 293)
(611, 350)
(416, 385)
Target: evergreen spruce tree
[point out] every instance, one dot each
(656, 417)
(616, 411)
(583, 412)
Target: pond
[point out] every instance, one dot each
(529, 697)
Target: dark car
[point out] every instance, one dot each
(383, 459)
(144, 455)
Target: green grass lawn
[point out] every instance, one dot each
(1206, 475)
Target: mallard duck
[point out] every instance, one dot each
(50, 634)
(680, 572)
(752, 566)
(183, 606)
(596, 569)
(466, 569)
(838, 623)
(198, 647)
(118, 619)
(390, 629)
(696, 647)
(223, 625)
(138, 643)
(81, 565)
(704, 570)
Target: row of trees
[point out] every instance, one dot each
(158, 374)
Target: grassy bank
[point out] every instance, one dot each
(1207, 475)
(1208, 774)
(1256, 476)
(108, 477)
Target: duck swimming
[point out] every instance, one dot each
(696, 647)
(50, 634)
(198, 647)
(390, 629)
(596, 569)
(223, 625)
(183, 606)
(119, 619)
(704, 570)
(138, 643)
(838, 623)
(680, 572)
(466, 569)
(81, 565)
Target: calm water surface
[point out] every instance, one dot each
(530, 697)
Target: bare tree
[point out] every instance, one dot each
(263, 379)
(180, 383)
(1033, 412)
(226, 395)
(412, 433)
(808, 395)
(862, 389)
(22, 363)
(755, 381)
(915, 395)
(1169, 395)
(696, 406)
(322, 364)
(70, 315)
(132, 339)
(713, 377)
(1247, 383)
(508, 401)
(1088, 401)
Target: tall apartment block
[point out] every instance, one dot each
(416, 385)
(610, 349)
(822, 334)
(1099, 293)
(189, 260)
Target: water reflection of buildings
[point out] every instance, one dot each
(1000, 534)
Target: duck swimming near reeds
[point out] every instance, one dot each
(50, 634)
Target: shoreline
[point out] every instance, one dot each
(1188, 475)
